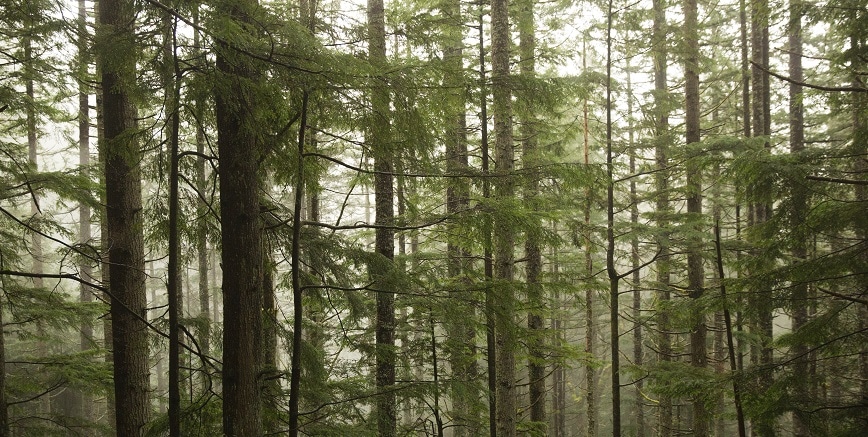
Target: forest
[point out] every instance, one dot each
(434, 218)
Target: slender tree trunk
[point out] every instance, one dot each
(241, 236)
(297, 295)
(533, 253)
(661, 185)
(201, 213)
(635, 260)
(461, 342)
(800, 206)
(559, 426)
(85, 265)
(761, 210)
(4, 409)
(488, 258)
(379, 139)
(124, 220)
(173, 96)
(504, 238)
(590, 294)
(695, 271)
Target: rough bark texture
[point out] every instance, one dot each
(379, 140)
(504, 237)
(533, 254)
(461, 342)
(661, 186)
(239, 152)
(695, 272)
(124, 220)
(760, 211)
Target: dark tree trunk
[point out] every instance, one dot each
(590, 292)
(379, 140)
(504, 237)
(533, 253)
(661, 185)
(800, 206)
(488, 258)
(124, 221)
(695, 271)
(85, 266)
(761, 211)
(241, 236)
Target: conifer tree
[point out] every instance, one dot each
(124, 217)
(241, 230)
(504, 236)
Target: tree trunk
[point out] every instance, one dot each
(201, 213)
(533, 254)
(462, 338)
(124, 220)
(761, 210)
(381, 150)
(85, 266)
(504, 238)
(590, 317)
(800, 208)
(638, 355)
(487, 256)
(695, 271)
(661, 186)
(241, 229)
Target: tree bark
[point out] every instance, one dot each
(533, 254)
(85, 265)
(661, 185)
(239, 155)
(462, 339)
(504, 238)
(124, 219)
(800, 208)
(381, 150)
(695, 271)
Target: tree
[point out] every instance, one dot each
(124, 216)
(241, 230)
(381, 149)
(504, 237)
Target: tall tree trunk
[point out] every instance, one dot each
(614, 277)
(761, 210)
(85, 265)
(124, 218)
(590, 292)
(173, 96)
(201, 213)
(297, 295)
(663, 210)
(504, 238)
(800, 207)
(533, 254)
(695, 271)
(487, 256)
(241, 236)
(559, 401)
(462, 339)
(381, 150)
(638, 355)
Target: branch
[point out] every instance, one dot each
(836, 180)
(833, 89)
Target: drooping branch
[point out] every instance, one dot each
(832, 89)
